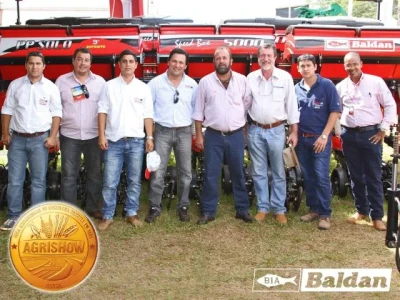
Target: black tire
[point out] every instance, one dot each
(3, 197)
(298, 199)
(226, 182)
(53, 185)
(339, 180)
(397, 255)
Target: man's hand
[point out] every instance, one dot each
(149, 145)
(292, 138)
(320, 144)
(375, 139)
(57, 145)
(50, 142)
(6, 139)
(103, 143)
(200, 141)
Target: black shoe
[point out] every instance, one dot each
(152, 216)
(246, 217)
(8, 225)
(183, 214)
(205, 219)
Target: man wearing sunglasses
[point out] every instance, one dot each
(30, 120)
(80, 92)
(173, 97)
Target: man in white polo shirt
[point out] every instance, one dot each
(30, 120)
(125, 107)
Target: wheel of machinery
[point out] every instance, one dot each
(339, 180)
(226, 182)
(53, 184)
(397, 255)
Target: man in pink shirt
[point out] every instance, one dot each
(363, 129)
(80, 94)
(221, 106)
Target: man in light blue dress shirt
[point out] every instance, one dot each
(173, 96)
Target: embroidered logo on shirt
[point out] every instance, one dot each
(43, 101)
(138, 100)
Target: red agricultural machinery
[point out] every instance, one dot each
(328, 39)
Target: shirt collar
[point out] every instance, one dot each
(91, 76)
(275, 74)
(316, 83)
(27, 79)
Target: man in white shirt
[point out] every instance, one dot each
(125, 107)
(273, 104)
(80, 93)
(174, 95)
(30, 120)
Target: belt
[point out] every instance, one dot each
(268, 126)
(29, 135)
(309, 135)
(225, 132)
(362, 129)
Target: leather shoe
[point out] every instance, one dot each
(260, 216)
(357, 217)
(97, 215)
(246, 217)
(379, 225)
(281, 218)
(205, 219)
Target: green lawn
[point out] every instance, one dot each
(173, 260)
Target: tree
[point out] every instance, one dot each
(361, 9)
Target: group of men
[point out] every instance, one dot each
(112, 122)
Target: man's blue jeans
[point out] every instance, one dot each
(315, 171)
(267, 145)
(216, 147)
(21, 151)
(72, 150)
(128, 152)
(364, 160)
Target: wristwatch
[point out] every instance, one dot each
(323, 136)
(149, 137)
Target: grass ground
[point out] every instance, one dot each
(172, 260)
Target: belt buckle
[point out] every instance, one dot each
(270, 126)
(222, 133)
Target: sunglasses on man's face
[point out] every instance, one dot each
(176, 97)
(85, 91)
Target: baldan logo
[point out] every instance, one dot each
(271, 280)
(322, 280)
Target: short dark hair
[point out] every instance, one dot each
(305, 57)
(179, 51)
(127, 52)
(267, 46)
(82, 50)
(35, 54)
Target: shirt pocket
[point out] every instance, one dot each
(278, 94)
(42, 102)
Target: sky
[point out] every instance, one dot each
(213, 11)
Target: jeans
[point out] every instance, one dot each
(72, 150)
(128, 152)
(216, 147)
(266, 148)
(364, 161)
(21, 151)
(315, 171)
(166, 139)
